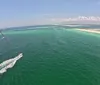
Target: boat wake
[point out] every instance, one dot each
(9, 63)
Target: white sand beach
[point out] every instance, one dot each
(90, 30)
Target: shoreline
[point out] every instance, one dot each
(97, 31)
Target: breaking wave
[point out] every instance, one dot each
(9, 63)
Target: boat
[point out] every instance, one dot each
(9, 63)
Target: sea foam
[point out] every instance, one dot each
(9, 63)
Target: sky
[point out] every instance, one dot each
(32, 12)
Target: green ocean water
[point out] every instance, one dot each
(52, 57)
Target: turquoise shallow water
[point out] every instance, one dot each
(52, 57)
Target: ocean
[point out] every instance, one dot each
(53, 56)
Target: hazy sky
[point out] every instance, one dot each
(30, 12)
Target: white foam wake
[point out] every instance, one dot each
(9, 63)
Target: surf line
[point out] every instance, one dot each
(9, 63)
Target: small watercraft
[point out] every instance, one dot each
(9, 63)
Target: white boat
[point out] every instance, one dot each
(9, 63)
